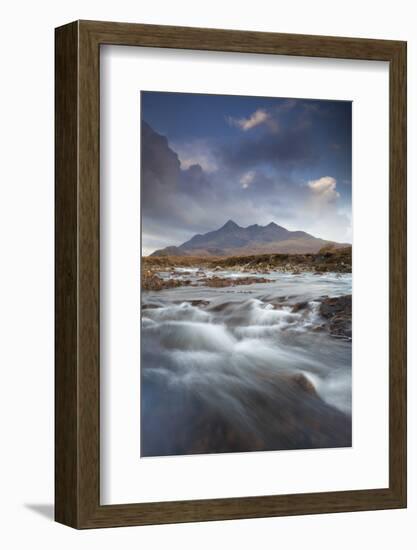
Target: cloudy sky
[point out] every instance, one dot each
(206, 159)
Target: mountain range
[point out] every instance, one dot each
(234, 240)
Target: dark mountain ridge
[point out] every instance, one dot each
(232, 239)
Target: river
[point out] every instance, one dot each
(243, 368)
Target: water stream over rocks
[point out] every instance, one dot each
(246, 368)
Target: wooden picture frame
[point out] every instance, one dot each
(77, 382)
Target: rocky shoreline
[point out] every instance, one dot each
(326, 261)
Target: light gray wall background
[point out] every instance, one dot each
(26, 273)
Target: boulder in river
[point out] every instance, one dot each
(338, 313)
(304, 383)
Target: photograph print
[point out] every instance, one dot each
(246, 274)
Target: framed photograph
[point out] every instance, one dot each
(230, 274)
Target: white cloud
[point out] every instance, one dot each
(247, 179)
(322, 213)
(255, 119)
(324, 189)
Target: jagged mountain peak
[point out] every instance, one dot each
(233, 240)
(230, 224)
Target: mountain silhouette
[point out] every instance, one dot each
(233, 240)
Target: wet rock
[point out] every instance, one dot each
(150, 306)
(304, 383)
(338, 313)
(199, 303)
(299, 307)
(341, 326)
(329, 307)
(152, 281)
(220, 282)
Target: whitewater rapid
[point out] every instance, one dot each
(226, 369)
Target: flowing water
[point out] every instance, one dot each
(241, 369)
